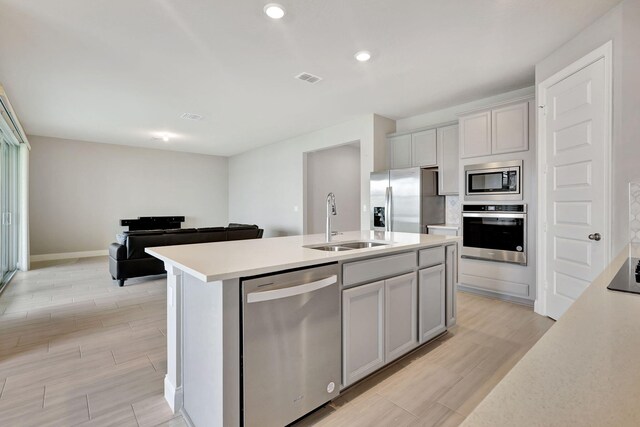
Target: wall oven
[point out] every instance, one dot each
(494, 181)
(495, 232)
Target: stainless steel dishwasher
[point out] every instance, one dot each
(290, 344)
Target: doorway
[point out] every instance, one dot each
(332, 170)
(9, 149)
(574, 180)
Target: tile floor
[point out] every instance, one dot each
(76, 349)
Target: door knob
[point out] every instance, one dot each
(595, 236)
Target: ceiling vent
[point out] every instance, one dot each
(191, 116)
(309, 78)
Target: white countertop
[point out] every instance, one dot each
(445, 226)
(238, 258)
(584, 371)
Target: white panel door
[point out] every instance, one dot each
(400, 152)
(575, 185)
(423, 148)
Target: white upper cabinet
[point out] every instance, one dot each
(500, 130)
(448, 160)
(510, 129)
(416, 149)
(424, 148)
(400, 151)
(475, 131)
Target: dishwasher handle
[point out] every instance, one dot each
(291, 291)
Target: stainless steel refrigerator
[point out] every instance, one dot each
(406, 200)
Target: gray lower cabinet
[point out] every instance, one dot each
(362, 331)
(379, 324)
(386, 319)
(431, 302)
(401, 315)
(451, 274)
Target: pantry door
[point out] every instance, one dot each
(576, 115)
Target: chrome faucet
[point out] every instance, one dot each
(331, 210)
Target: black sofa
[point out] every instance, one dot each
(127, 258)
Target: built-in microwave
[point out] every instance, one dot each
(493, 181)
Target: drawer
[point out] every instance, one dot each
(378, 268)
(431, 256)
(443, 231)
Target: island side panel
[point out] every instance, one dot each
(173, 379)
(211, 354)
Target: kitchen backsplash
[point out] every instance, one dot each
(453, 209)
(634, 211)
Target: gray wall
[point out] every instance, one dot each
(622, 25)
(80, 190)
(334, 170)
(266, 185)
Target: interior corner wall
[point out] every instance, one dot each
(266, 185)
(336, 170)
(79, 191)
(381, 127)
(621, 25)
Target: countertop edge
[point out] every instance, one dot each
(340, 256)
(495, 410)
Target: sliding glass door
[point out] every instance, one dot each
(8, 207)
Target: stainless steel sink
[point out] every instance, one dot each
(361, 245)
(346, 246)
(330, 248)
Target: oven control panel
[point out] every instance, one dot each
(494, 208)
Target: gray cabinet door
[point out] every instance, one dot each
(400, 151)
(448, 160)
(510, 128)
(401, 308)
(475, 135)
(431, 307)
(424, 148)
(362, 331)
(451, 274)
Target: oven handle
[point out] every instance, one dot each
(494, 215)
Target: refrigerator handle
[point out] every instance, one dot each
(387, 211)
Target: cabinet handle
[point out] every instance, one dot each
(291, 291)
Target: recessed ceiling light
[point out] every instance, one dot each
(274, 10)
(363, 56)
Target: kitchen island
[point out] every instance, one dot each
(205, 300)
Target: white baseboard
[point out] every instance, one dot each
(68, 255)
(173, 396)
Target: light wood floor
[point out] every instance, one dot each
(441, 383)
(76, 349)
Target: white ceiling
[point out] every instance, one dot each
(115, 71)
